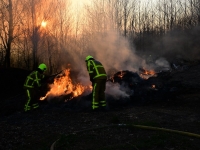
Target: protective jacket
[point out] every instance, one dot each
(34, 80)
(96, 70)
(98, 78)
(32, 86)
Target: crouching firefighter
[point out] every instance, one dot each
(98, 78)
(32, 86)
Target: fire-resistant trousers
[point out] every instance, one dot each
(98, 93)
(32, 99)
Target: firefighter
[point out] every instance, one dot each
(32, 86)
(98, 78)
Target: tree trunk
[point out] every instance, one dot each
(10, 36)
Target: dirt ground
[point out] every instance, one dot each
(104, 130)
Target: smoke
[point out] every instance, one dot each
(114, 52)
(179, 43)
(162, 62)
(159, 64)
(115, 90)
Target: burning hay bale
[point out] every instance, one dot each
(63, 89)
(143, 87)
(130, 78)
(124, 87)
(121, 88)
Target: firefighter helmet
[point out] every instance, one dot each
(43, 67)
(88, 57)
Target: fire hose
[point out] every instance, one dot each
(132, 125)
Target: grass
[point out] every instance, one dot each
(44, 143)
(115, 119)
(126, 138)
(66, 142)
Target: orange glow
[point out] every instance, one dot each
(148, 72)
(121, 74)
(145, 74)
(63, 85)
(44, 23)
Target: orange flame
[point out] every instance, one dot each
(148, 72)
(121, 74)
(145, 74)
(63, 85)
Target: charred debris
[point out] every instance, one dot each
(143, 87)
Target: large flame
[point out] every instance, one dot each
(63, 85)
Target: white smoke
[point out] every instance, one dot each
(114, 90)
(114, 51)
(162, 62)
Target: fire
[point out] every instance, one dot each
(63, 85)
(145, 74)
(121, 74)
(150, 72)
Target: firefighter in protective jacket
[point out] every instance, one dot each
(98, 78)
(32, 87)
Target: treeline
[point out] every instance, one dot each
(54, 32)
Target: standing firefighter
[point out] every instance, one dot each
(98, 78)
(32, 87)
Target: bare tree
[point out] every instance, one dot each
(7, 29)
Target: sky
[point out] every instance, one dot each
(81, 3)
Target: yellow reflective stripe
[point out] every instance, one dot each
(92, 62)
(97, 71)
(28, 92)
(93, 94)
(88, 65)
(100, 75)
(27, 107)
(30, 78)
(93, 107)
(37, 79)
(94, 103)
(103, 103)
(35, 105)
(98, 66)
(28, 86)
